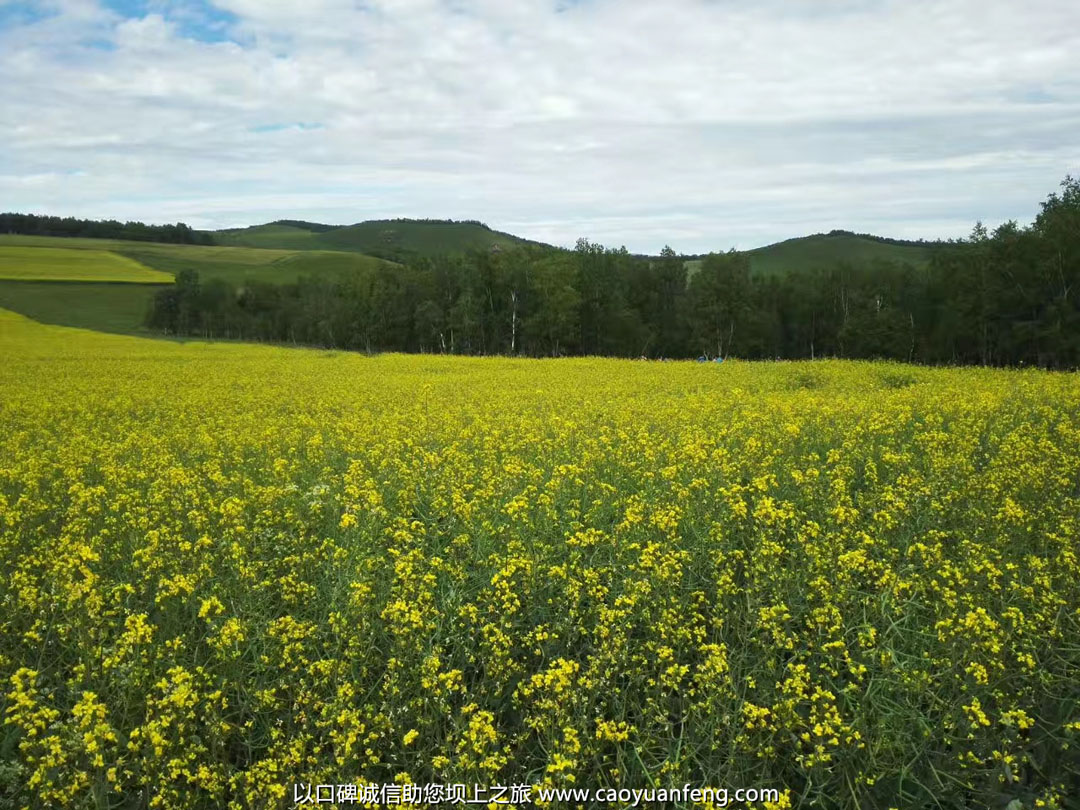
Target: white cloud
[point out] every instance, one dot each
(703, 123)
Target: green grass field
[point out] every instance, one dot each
(67, 264)
(103, 307)
(808, 253)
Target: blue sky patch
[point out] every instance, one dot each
(196, 19)
(15, 14)
(98, 44)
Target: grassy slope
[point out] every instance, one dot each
(122, 307)
(379, 237)
(67, 264)
(424, 238)
(272, 235)
(240, 265)
(235, 264)
(99, 306)
(823, 250)
(807, 253)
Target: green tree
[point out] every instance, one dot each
(719, 301)
(552, 324)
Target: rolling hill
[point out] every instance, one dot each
(405, 240)
(77, 281)
(394, 239)
(807, 253)
(74, 281)
(234, 264)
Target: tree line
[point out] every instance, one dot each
(34, 225)
(996, 298)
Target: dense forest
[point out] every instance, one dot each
(1000, 298)
(34, 225)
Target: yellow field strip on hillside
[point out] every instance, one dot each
(65, 264)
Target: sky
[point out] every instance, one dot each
(699, 124)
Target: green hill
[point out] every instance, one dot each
(395, 239)
(273, 235)
(281, 252)
(807, 253)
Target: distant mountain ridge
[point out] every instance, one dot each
(838, 235)
(803, 254)
(316, 227)
(395, 239)
(807, 253)
(404, 239)
(889, 240)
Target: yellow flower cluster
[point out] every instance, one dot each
(229, 569)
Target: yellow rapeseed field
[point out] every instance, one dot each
(229, 569)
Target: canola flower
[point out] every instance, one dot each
(230, 568)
